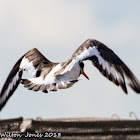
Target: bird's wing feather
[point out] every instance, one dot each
(33, 61)
(37, 84)
(29, 62)
(106, 61)
(11, 84)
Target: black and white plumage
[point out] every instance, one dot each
(49, 76)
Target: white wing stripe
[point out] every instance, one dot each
(55, 69)
(85, 54)
(28, 66)
(15, 78)
(101, 61)
(93, 51)
(113, 72)
(38, 80)
(10, 86)
(49, 79)
(118, 75)
(107, 67)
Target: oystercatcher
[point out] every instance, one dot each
(49, 76)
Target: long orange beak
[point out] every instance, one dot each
(85, 75)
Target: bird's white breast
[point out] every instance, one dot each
(71, 75)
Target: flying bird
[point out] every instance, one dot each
(50, 76)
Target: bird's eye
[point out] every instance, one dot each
(81, 65)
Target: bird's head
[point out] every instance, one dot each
(82, 70)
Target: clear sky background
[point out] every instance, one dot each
(57, 28)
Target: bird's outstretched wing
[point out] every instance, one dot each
(106, 61)
(29, 62)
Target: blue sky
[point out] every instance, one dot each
(57, 29)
